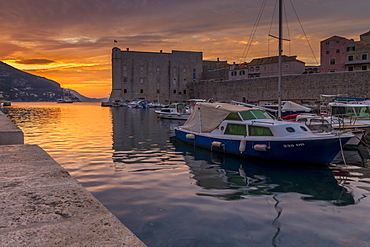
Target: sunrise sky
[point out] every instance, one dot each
(70, 41)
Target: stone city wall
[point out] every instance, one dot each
(294, 87)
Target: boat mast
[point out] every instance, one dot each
(280, 58)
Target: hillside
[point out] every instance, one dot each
(18, 85)
(21, 86)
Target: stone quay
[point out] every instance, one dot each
(42, 205)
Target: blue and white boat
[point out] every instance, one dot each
(252, 132)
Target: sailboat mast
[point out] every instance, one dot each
(280, 58)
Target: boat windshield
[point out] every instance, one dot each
(362, 112)
(254, 114)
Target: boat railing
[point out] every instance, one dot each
(256, 121)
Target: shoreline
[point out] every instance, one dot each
(42, 205)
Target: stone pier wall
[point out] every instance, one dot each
(294, 87)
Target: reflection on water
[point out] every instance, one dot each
(170, 194)
(241, 178)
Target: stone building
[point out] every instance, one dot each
(267, 66)
(155, 76)
(215, 70)
(342, 54)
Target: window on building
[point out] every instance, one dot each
(327, 42)
(337, 41)
(141, 90)
(332, 71)
(125, 90)
(258, 69)
(364, 56)
(337, 51)
(265, 68)
(332, 61)
(364, 67)
(350, 68)
(141, 80)
(350, 48)
(158, 91)
(174, 69)
(158, 69)
(174, 91)
(184, 91)
(350, 58)
(327, 52)
(252, 69)
(124, 67)
(286, 66)
(184, 70)
(141, 68)
(124, 79)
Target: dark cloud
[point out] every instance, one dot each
(34, 61)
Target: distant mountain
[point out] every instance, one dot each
(85, 99)
(18, 85)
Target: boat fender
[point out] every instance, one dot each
(190, 136)
(217, 144)
(260, 147)
(242, 146)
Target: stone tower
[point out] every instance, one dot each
(155, 76)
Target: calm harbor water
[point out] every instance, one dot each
(170, 194)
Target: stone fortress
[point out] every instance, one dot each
(182, 75)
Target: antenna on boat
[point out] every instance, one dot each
(280, 38)
(280, 52)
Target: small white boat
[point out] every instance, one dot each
(324, 123)
(254, 133)
(356, 113)
(177, 111)
(138, 103)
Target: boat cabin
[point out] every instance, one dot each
(350, 110)
(175, 108)
(239, 121)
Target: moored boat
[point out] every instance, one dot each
(325, 123)
(177, 111)
(253, 133)
(355, 114)
(138, 103)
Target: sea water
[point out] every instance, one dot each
(172, 194)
